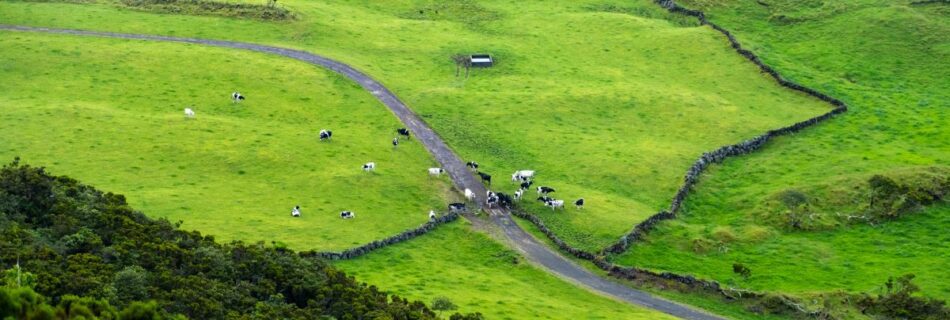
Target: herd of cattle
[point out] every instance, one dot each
(491, 198)
(500, 199)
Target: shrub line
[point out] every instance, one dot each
(378, 244)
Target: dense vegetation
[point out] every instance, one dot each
(72, 240)
(217, 8)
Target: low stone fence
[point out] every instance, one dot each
(717, 156)
(370, 247)
(692, 176)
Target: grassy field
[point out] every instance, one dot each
(482, 275)
(611, 102)
(887, 60)
(110, 112)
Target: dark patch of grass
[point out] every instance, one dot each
(212, 8)
(647, 11)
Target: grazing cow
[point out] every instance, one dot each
(504, 200)
(545, 199)
(523, 175)
(457, 207)
(403, 132)
(236, 97)
(545, 190)
(369, 166)
(489, 193)
(518, 194)
(579, 204)
(325, 134)
(527, 184)
(485, 177)
(472, 165)
(436, 171)
(555, 204)
(469, 194)
(431, 214)
(347, 214)
(395, 142)
(189, 113)
(295, 212)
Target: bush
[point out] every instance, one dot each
(897, 301)
(214, 8)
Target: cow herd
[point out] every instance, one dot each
(524, 178)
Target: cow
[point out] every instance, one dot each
(522, 175)
(518, 194)
(545, 190)
(472, 165)
(485, 177)
(403, 132)
(325, 134)
(489, 193)
(369, 166)
(555, 204)
(347, 214)
(395, 142)
(236, 97)
(457, 207)
(295, 212)
(579, 204)
(490, 200)
(545, 199)
(436, 171)
(189, 113)
(504, 200)
(469, 194)
(527, 184)
(431, 214)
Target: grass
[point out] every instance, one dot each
(887, 61)
(606, 104)
(479, 274)
(110, 112)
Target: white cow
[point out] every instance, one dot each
(189, 113)
(347, 214)
(522, 175)
(431, 214)
(236, 97)
(436, 171)
(295, 212)
(369, 166)
(469, 194)
(518, 194)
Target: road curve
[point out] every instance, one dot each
(462, 178)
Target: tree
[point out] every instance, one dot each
(441, 304)
(131, 284)
(742, 270)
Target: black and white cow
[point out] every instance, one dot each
(555, 204)
(295, 212)
(545, 190)
(403, 132)
(325, 134)
(485, 177)
(527, 184)
(431, 214)
(369, 166)
(472, 165)
(519, 194)
(491, 200)
(436, 171)
(457, 207)
(347, 214)
(522, 175)
(236, 97)
(579, 204)
(545, 199)
(395, 142)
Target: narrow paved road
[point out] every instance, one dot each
(461, 176)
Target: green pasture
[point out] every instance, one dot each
(110, 112)
(608, 100)
(887, 60)
(479, 274)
